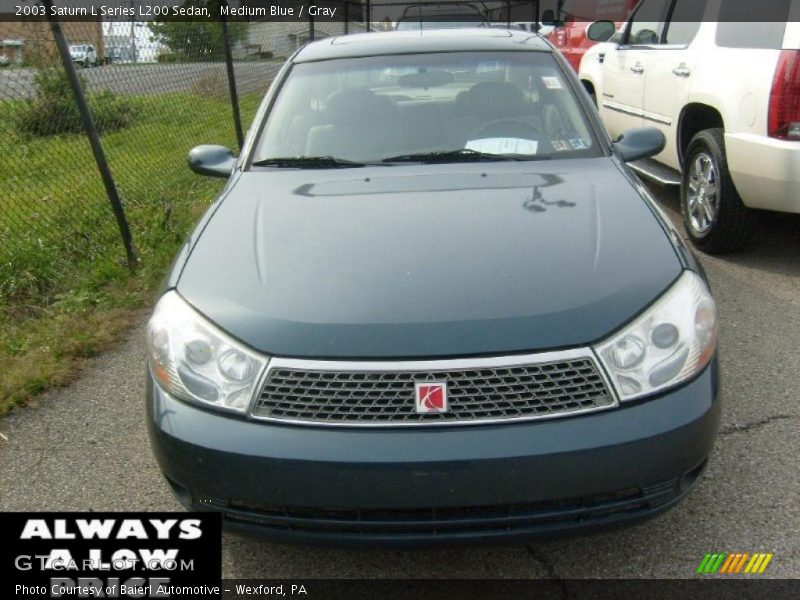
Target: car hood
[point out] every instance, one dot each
(427, 261)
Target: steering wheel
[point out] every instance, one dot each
(484, 130)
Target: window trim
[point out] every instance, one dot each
(625, 45)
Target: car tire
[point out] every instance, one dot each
(713, 213)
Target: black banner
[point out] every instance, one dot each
(511, 589)
(492, 11)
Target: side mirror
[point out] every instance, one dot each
(601, 31)
(548, 17)
(643, 142)
(214, 161)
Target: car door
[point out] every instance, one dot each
(625, 66)
(669, 73)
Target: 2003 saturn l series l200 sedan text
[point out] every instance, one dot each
(431, 304)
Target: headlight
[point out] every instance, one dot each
(195, 361)
(670, 343)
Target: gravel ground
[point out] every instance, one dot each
(85, 448)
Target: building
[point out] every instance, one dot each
(12, 50)
(31, 43)
(280, 39)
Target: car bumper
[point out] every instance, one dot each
(414, 486)
(766, 171)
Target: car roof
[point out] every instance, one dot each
(424, 9)
(468, 39)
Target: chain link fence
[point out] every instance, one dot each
(154, 89)
(151, 98)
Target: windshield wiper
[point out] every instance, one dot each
(307, 162)
(461, 155)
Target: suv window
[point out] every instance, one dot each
(752, 25)
(685, 22)
(647, 23)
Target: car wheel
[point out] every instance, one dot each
(715, 217)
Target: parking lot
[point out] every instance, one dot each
(85, 448)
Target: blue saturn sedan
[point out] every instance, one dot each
(431, 304)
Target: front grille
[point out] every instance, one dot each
(442, 521)
(376, 396)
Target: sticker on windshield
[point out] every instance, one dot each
(560, 145)
(552, 83)
(579, 144)
(503, 146)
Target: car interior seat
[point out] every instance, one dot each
(357, 125)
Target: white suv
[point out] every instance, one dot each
(84, 55)
(724, 91)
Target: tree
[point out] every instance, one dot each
(196, 40)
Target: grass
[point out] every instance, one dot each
(65, 291)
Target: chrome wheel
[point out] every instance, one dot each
(703, 193)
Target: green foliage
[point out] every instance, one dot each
(54, 111)
(167, 57)
(65, 291)
(195, 40)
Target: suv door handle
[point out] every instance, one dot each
(682, 71)
(601, 57)
(637, 68)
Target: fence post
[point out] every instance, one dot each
(226, 42)
(92, 135)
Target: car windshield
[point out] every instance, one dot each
(441, 106)
(78, 48)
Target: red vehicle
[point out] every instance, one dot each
(573, 17)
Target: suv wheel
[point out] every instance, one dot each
(715, 217)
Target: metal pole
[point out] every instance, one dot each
(310, 28)
(346, 17)
(508, 13)
(133, 31)
(369, 15)
(92, 135)
(237, 117)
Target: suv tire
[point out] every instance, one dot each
(715, 217)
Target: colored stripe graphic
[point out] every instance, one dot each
(703, 563)
(724, 563)
(758, 563)
(741, 562)
(718, 564)
(730, 563)
(711, 563)
(732, 559)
